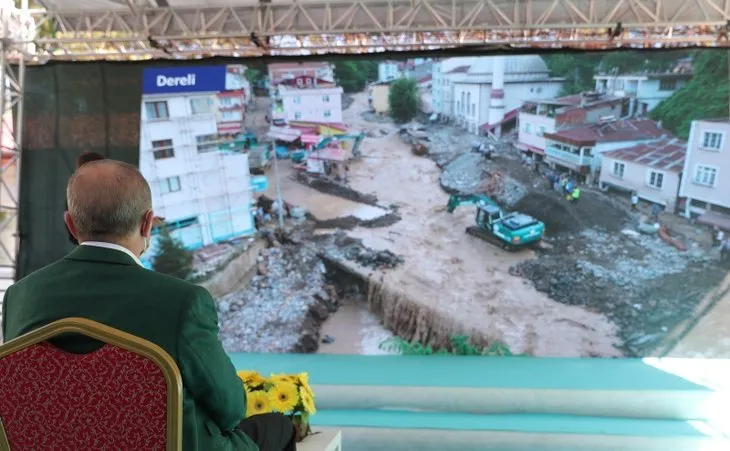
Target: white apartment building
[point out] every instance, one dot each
(204, 194)
(388, 70)
(320, 105)
(706, 182)
(443, 73)
(645, 90)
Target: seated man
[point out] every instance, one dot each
(110, 213)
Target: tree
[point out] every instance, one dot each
(404, 100)
(704, 97)
(349, 76)
(172, 257)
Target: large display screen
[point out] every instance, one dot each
(544, 205)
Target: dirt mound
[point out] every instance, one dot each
(561, 216)
(555, 213)
(336, 189)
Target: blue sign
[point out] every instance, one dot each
(170, 80)
(259, 183)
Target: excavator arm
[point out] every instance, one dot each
(460, 200)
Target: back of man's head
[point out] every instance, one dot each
(88, 157)
(107, 200)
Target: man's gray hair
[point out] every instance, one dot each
(107, 199)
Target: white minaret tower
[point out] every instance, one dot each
(496, 100)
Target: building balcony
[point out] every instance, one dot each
(569, 159)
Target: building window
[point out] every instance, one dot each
(297, 115)
(201, 105)
(705, 175)
(712, 140)
(656, 179)
(667, 85)
(528, 128)
(231, 116)
(162, 149)
(327, 113)
(541, 130)
(157, 110)
(297, 100)
(473, 109)
(618, 169)
(207, 143)
(170, 185)
(227, 102)
(326, 99)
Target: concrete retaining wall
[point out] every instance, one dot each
(235, 273)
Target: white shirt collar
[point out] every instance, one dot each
(116, 247)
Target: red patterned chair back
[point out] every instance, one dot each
(127, 395)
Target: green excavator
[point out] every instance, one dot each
(510, 231)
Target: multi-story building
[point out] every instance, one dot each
(537, 117)
(644, 90)
(443, 73)
(204, 194)
(318, 105)
(706, 182)
(652, 170)
(494, 87)
(578, 149)
(314, 72)
(388, 71)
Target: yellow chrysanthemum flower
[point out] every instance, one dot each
(251, 379)
(276, 378)
(257, 403)
(284, 396)
(307, 398)
(303, 378)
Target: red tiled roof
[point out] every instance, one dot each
(425, 79)
(625, 130)
(507, 117)
(665, 154)
(459, 70)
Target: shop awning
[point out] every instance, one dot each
(284, 134)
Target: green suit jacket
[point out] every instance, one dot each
(108, 286)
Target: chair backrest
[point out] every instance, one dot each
(125, 395)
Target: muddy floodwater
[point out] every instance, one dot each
(355, 331)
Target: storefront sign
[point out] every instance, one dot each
(171, 80)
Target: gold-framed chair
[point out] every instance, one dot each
(125, 395)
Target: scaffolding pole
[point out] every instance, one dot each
(12, 81)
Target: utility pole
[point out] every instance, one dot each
(279, 200)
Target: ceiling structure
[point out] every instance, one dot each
(180, 29)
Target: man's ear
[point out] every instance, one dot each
(147, 222)
(70, 224)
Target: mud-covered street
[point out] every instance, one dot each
(598, 288)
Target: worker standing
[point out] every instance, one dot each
(655, 210)
(575, 195)
(634, 200)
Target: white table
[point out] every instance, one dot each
(325, 440)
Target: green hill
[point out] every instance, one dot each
(707, 95)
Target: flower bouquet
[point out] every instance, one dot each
(288, 394)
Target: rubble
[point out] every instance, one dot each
(283, 306)
(636, 280)
(464, 174)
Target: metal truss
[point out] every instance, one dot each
(11, 131)
(304, 27)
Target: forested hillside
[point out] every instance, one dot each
(705, 96)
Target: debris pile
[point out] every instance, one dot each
(340, 247)
(370, 258)
(282, 308)
(464, 174)
(637, 281)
